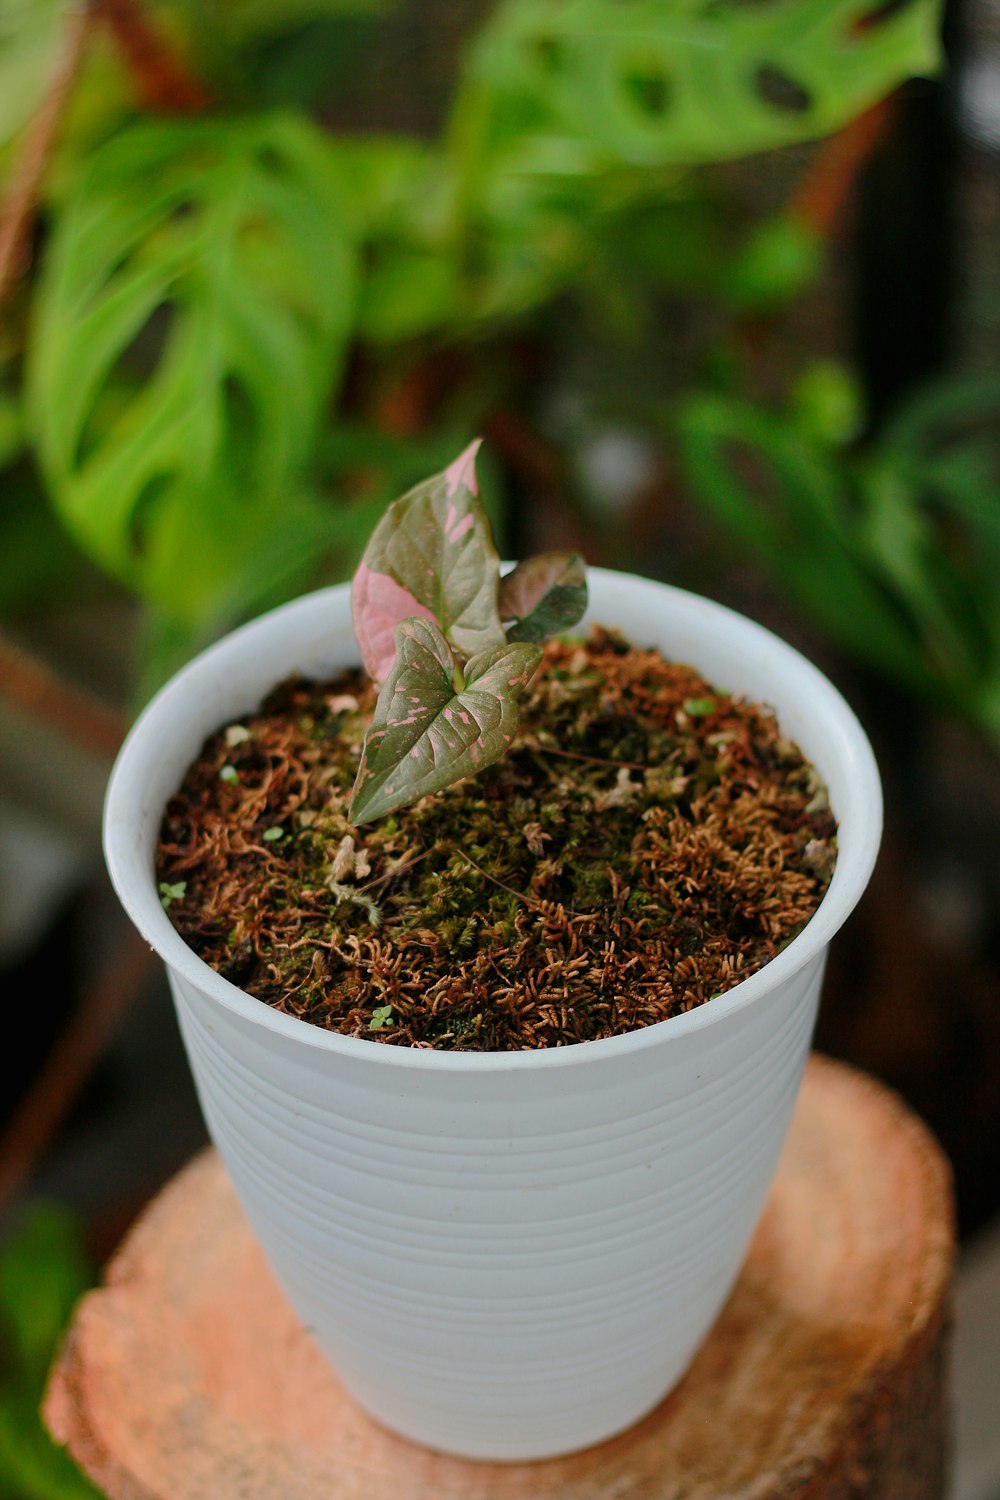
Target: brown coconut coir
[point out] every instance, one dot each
(646, 843)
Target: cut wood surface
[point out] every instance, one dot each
(187, 1377)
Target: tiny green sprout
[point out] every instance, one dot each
(273, 835)
(451, 643)
(381, 1016)
(699, 708)
(229, 773)
(172, 892)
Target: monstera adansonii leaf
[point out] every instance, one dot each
(685, 81)
(190, 328)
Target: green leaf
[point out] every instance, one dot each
(392, 184)
(790, 503)
(685, 81)
(894, 549)
(933, 487)
(43, 1270)
(827, 404)
(431, 556)
(381, 1016)
(699, 708)
(781, 259)
(29, 51)
(191, 325)
(31, 1466)
(543, 596)
(257, 20)
(425, 734)
(172, 892)
(410, 291)
(398, 191)
(11, 427)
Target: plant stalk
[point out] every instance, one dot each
(18, 213)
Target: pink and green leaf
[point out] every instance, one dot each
(542, 596)
(431, 557)
(425, 734)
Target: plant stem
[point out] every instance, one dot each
(162, 79)
(820, 197)
(825, 188)
(528, 900)
(33, 158)
(396, 870)
(591, 760)
(32, 685)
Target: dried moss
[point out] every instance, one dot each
(646, 843)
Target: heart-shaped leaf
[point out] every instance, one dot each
(426, 734)
(431, 556)
(543, 595)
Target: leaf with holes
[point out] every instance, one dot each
(649, 82)
(190, 327)
(543, 595)
(426, 733)
(430, 556)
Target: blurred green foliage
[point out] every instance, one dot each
(681, 83)
(43, 1270)
(194, 313)
(891, 544)
(29, 39)
(227, 303)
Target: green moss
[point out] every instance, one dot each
(628, 859)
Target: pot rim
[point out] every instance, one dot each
(133, 877)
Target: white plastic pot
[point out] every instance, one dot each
(504, 1255)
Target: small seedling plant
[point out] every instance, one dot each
(452, 643)
(537, 905)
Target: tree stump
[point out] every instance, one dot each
(187, 1377)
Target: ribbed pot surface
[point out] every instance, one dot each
(505, 1255)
